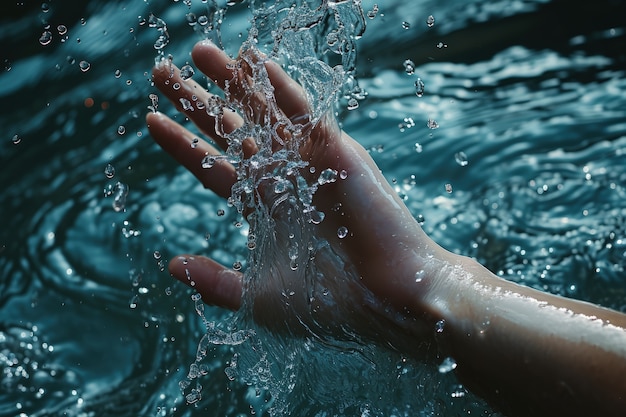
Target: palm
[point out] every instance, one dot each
(366, 232)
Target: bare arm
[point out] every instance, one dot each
(528, 353)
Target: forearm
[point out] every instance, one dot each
(528, 352)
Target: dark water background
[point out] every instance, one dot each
(530, 105)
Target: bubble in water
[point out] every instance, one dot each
(406, 25)
(430, 21)
(156, 254)
(117, 73)
(372, 13)
(418, 147)
(194, 142)
(186, 72)
(176, 86)
(237, 265)
(84, 66)
(121, 129)
(442, 45)
(447, 365)
(70, 60)
(109, 171)
(343, 174)
(448, 187)
(432, 124)
(62, 29)
(220, 212)
(45, 7)
(45, 38)
(16, 139)
(409, 66)
(419, 87)
(461, 158)
(342, 232)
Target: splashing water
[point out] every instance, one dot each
(316, 45)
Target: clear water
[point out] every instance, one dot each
(514, 154)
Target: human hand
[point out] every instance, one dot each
(371, 264)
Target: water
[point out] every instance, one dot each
(91, 323)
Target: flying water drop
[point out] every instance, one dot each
(447, 365)
(419, 87)
(109, 171)
(461, 158)
(186, 72)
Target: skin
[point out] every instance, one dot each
(526, 352)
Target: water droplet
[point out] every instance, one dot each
(406, 25)
(442, 45)
(353, 104)
(194, 142)
(156, 254)
(420, 219)
(120, 194)
(343, 174)
(121, 130)
(208, 161)
(372, 13)
(62, 29)
(109, 171)
(447, 365)
(317, 216)
(45, 7)
(117, 73)
(84, 66)
(168, 291)
(186, 72)
(409, 66)
(45, 38)
(220, 212)
(327, 176)
(186, 104)
(432, 124)
(70, 60)
(154, 102)
(176, 86)
(342, 232)
(448, 187)
(461, 158)
(419, 87)
(418, 148)
(16, 139)
(439, 326)
(237, 265)
(419, 275)
(430, 21)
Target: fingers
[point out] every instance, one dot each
(192, 99)
(177, 141)
(227, 73)
(218, 285)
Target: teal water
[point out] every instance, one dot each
(529, 101)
